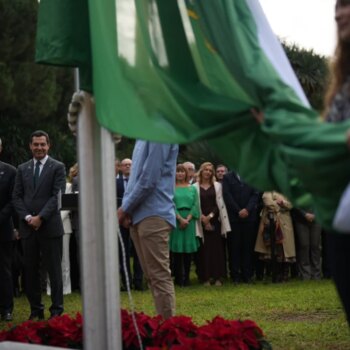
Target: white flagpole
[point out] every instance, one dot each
(98, 233)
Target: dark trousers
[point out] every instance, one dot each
(124, 264)
(74, 262)
(125, 267)
(182, 266)
(240, 247)
(326, 270)
(18, 268)
(308, 249)
(6, 281)
(35, 248)
(137, 269)
(339, 261)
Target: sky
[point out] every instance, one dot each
(308, 23)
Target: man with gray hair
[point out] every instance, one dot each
(191, 169)
(7, 180)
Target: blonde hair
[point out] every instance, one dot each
(200, 171)
(73, 172)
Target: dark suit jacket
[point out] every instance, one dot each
(75, 212)
(7, 180)
(120, 190)
(237, 196)
(43, 200)
(298, 214)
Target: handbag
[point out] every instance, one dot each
(278, 233)
(267, 234)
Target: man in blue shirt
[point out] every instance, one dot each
(149, 208)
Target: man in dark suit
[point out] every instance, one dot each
(241, 202)
(39, 183)
(122, 181)
(7, 180)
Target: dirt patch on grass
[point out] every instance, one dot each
(302, 316)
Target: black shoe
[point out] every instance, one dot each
(138, 287)
(55, 314)
(7, 317)
(187, 283)
(36, 315)
(178, 283)
(236, 281)
(249, 281)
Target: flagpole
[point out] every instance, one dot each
(98, 232)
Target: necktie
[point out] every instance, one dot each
(36, 173)
(125, 182)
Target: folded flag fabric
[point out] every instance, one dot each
(179, 71)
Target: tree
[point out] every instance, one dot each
(312, 71)
(32, 96)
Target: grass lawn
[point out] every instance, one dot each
(294, 315)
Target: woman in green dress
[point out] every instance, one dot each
(183, 240)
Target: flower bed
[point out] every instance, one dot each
(177, 333)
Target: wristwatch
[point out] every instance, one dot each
(211, 215)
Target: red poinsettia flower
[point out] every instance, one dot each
(63, 331)
(234, 335)
(198, 344)
(3, 335)
(145, 325)
(176, 333)
(172, 329)
(27, 332)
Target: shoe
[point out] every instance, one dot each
(187, 283)
(206, 284)
(36, 315)
(55, 314)
(248, 281)
(218, 283)
(7, 317)
(138, 287)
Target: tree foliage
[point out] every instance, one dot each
(32, 96)
(312, 71)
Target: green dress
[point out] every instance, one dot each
(186, 202)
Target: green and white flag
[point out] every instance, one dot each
(185, 70)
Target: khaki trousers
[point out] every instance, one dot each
(151, 241)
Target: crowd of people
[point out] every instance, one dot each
(236, 228)
(225, 230)
(213, 220)
(208, 219)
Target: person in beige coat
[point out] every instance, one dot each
(279, 207)
(212, 228)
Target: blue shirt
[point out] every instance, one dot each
(151, 184)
